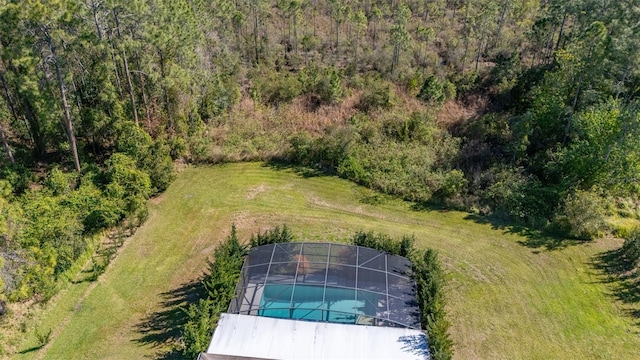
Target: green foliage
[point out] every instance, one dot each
(409, 170)
(327, 152)
(43, 337)
(507, 71)
(2, 289)
(384, 243)
(275, 235)
(411, 161)
(504, 190)
(432, 91)
(220, 282)
(330, 88)
(196, 332)
(97, 210)
(581, 215)
(464, 82)
(325, 83)
(53, 228)
(19, 176)
(605, 150)
(430, 280)
(159, 166)
(126, 184)
(153, 157)
(275, 89)
(567, 124)
(417, 127)
(218, 95)
(58, 182)
(132, 140)
(631, 249)
(454, 183)
(377, 95)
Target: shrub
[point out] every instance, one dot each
(623, 229)
(58, 182)
(218, 94)
(133, 140)
(377, 95)
(522, 199)
(153, 157)
(276, 88)
(19, 176)
(465, 82)
(220, 282)
(331, 88)
(631, 249)
(432, 91)
(581, 215)
(454, 184)
(160, 167)
(380, 242)
(351, 168)
(196, 332)
(126, 183)
(52, 230)
(276, 235)
(326, 152)
(384, 243)
(416, 127)
(430, 281)
(302, 149)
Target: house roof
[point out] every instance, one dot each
(244, 337)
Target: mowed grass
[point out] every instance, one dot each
(505, 300)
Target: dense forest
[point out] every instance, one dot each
(525, 111)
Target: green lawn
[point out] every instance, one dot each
(507, 300)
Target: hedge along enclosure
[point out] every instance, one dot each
(224, 273)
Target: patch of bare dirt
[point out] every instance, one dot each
(254, 192)
(158, 199)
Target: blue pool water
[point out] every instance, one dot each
(305, 302)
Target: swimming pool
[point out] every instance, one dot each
(327, 282)
(317, 303)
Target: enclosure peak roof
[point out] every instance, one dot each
(327, 282)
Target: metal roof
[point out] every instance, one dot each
(257, 337)
(327, 282)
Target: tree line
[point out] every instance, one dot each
(99, 98)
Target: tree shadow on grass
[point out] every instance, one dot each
(304, 171)
(623, 279)
(161, 329)
(31, 349)
(534, 239)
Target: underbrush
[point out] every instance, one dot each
(406, 154)
(47, 228)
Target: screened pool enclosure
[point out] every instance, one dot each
(327, 282)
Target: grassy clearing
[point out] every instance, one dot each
(509, 297)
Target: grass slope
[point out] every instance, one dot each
(506, 300)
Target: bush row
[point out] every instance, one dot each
(220, 282)
(430, 280)
(224, 272)
(46, 226)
